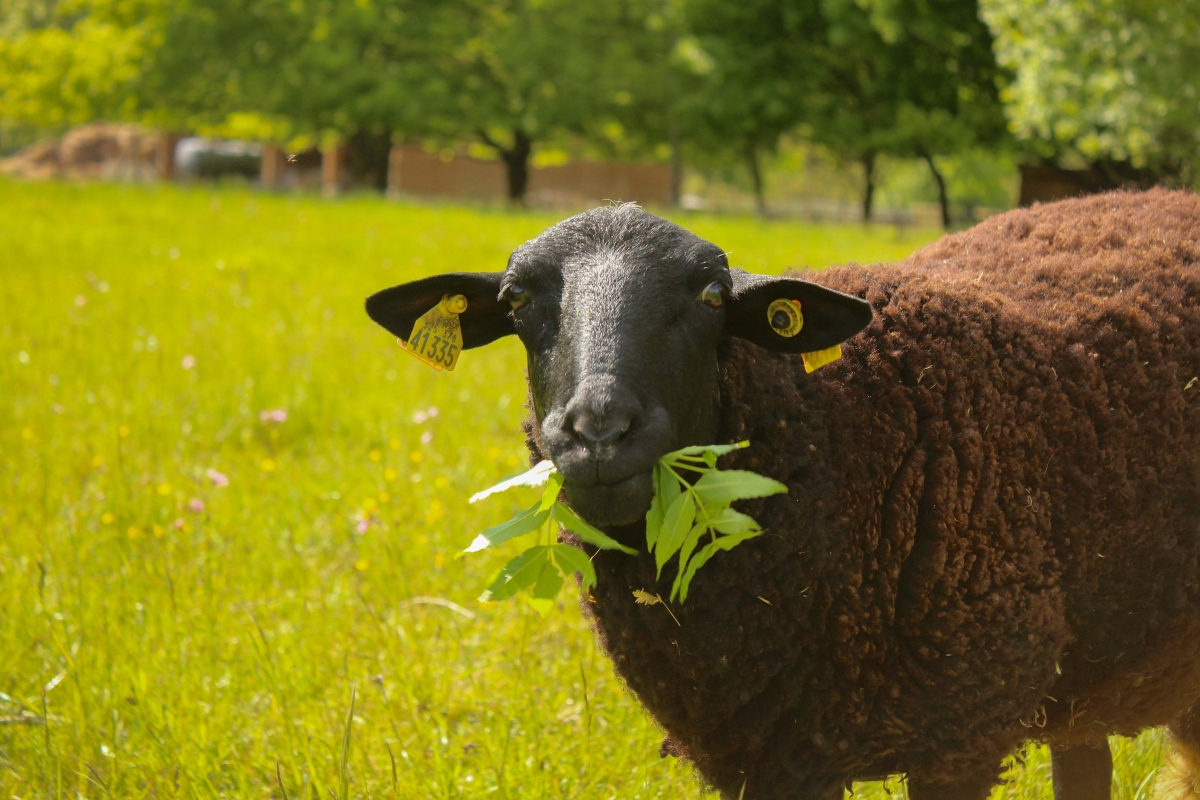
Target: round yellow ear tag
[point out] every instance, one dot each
(784, 317)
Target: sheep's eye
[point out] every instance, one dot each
(712, 295)
(517, 296)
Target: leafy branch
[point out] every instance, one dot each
(682, 513)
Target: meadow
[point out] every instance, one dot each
(230, 508)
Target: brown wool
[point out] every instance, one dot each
(992, 530)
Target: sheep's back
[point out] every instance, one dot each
(1060, 347)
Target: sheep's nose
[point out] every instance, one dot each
(599, 433)
(601, 415)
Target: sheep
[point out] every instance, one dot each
(992, 529)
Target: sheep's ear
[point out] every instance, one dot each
(485, 319)
(823, 317)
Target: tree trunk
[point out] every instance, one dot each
(868, 199)
(367, 157)
(516, 166)
(760, 202)
(943, 198)
(333, 169)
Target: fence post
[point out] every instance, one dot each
(333, 166)
(273, 161)
(164, 155)
(394, 174)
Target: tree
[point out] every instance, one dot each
(908, 78)
(755, 70)
(66, 63)
(1115, 81)
(518, 72)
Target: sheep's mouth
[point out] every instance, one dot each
(617, 503)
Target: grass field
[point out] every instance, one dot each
(303, 631)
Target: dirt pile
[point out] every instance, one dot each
(96, 151)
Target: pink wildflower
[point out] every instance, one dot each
(362, 523)
(195, 505)
(273, 415)
(188, 362)
(426, 437)
(178, 523)
(218, 478)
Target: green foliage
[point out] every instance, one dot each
(908, 78)
(683, 513)
(680, 514)
(544, 565)
(1109, 79)
(63, 63)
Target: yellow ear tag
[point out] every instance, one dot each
(784, 317)
(815, 360)
(436, 337)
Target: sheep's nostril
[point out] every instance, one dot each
(600, 435)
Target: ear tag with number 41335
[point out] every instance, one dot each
(436, 336)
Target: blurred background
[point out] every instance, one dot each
(904, 111)
(230, 505)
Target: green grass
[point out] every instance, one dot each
(264, 639)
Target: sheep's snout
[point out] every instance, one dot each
(604, 441)
(599, 414)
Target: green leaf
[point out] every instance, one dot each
(593, 536)
(572, 560)
(685, 551)
(520, 573)
(548, 584)
(654, 517)
(701, 558)
(690, 542)
(553, 487)
(701, 449)
(668, 486)
(525, 522)
(729, 521)
(676, 524)
(536, 476)
(725, 486)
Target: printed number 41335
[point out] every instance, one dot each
(435, 348)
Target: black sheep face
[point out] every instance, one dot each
(621, 313)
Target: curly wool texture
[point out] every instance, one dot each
(992, 530)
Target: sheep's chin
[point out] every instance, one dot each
(618, 503)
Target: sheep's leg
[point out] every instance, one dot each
(975, 788)
(1082, 772)
(1180, 778)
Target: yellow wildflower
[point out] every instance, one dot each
(164, 489)
(267, 465)
(416, 456)
(374, 455)
(390, 474)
